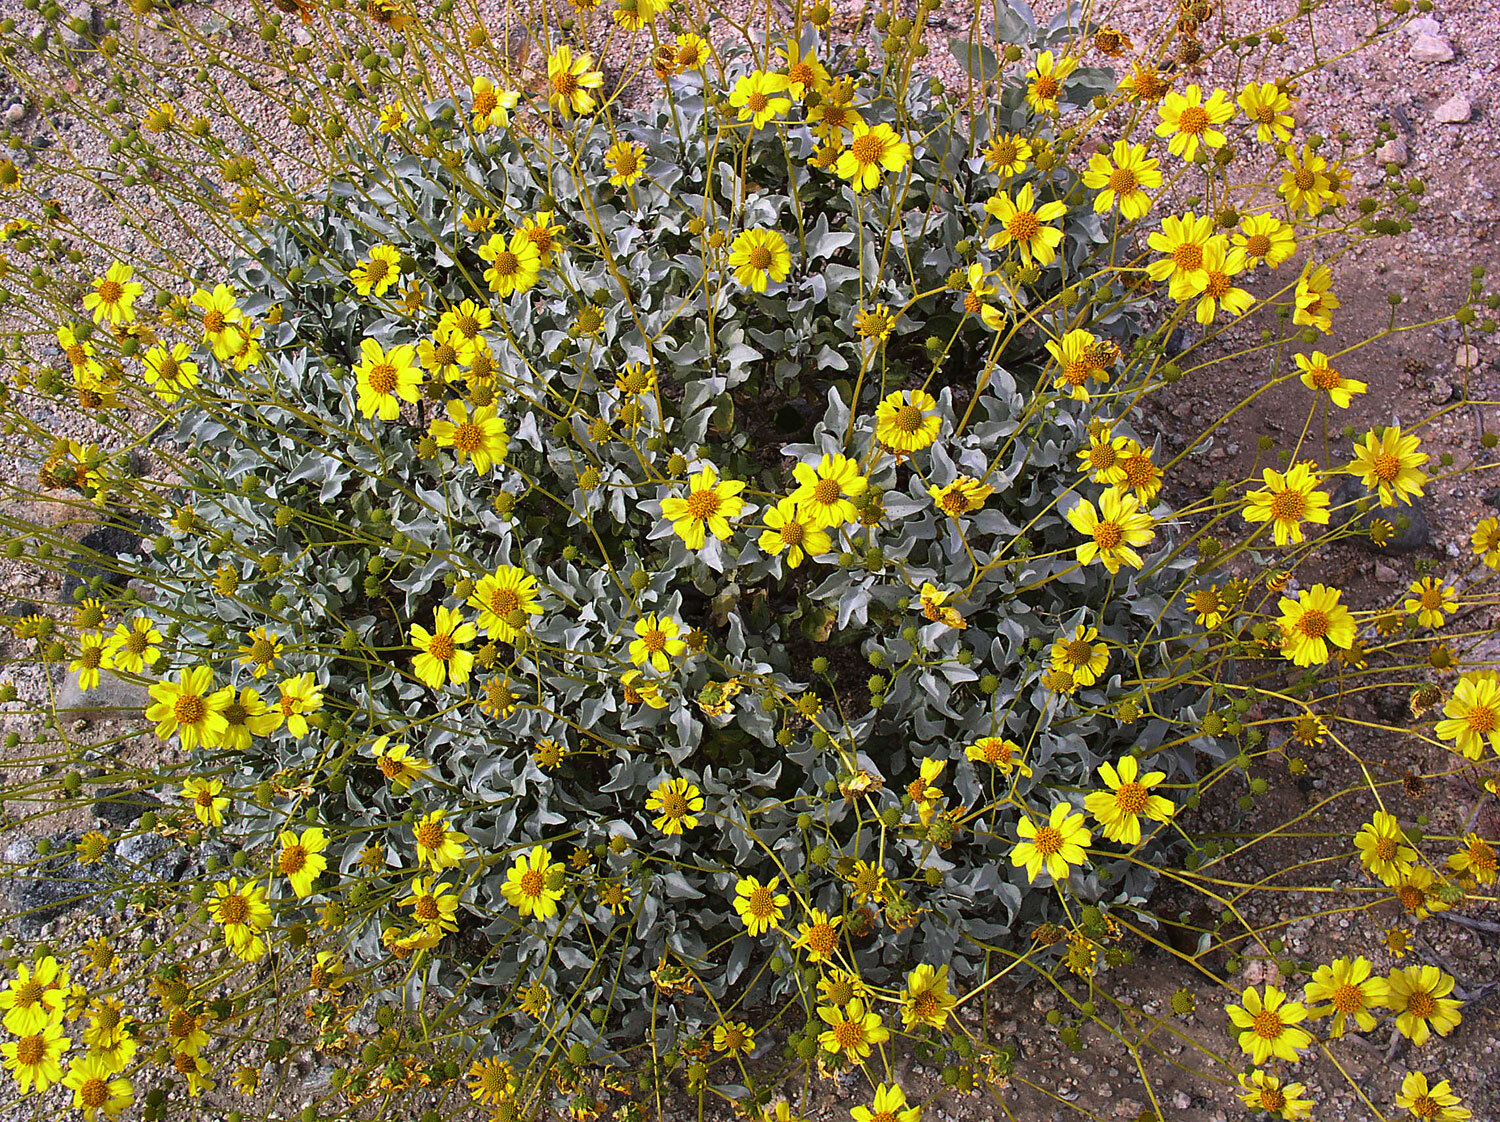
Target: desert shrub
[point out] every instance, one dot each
(623, 560)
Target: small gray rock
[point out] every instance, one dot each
(1455, 111)
(14, 113)
(112, 697)
(1393, 152)
(1412, 531)
(1429, 47)
(1386, 574)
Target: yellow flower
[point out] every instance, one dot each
(1428, 601)
(639, 689)
(515, 266)
(301, 859)
(803, 71)
(1113, 530)
(1184, 241)
(734, 1037)
(34, 998)
(245, 915)
(1391, 465)
(1383, 850)
(1120, 808)
(964, 495)
(1104, 458)
(169, 373)
(569, 81)
(1267, 107)
(1056, 845)
(1077, 356)
(1287, 501)
(1419, 999)
(791, 528)
(874, 322)
(1007, 154)
(759, 906)
(626, 161)
(1264, 237)
(692, 51)
(380, 272)
(657, 642)
(489, 107)
(96, 1087)
(397, 764)
(114, 295)
(208, 803)
(438, 846)
(1476, 858)
(1350, 993)
(1190, 121)
(1486, 541)
(533, 885)
(461, 327)
(1472, 715)
(1268, 1025)
(1146, 83)
(1312, 623)
(92, 655)
(975, 302)
(1081, 656)
(933, 601)
(1304, 185)
(758, 256)
(999, 752)
(834, 116)
(434, 905)
(889, 1105)
(299, 697)
(927, 1000)
(906, 421)
(852, 1030)
(1317, 374)
(1119, 179)
(710, 503)
(1046, 81)
(676, 803)
(825, 493)
(384, 377)
(190, 707)
(870, 150)
(440, 658)
(1267, 1093)
(491, 1082)
(1024, 224)
(1315, 298)
(35, 1059)
(1431, 1103)
(755, 95)
(260, 651)
(499, 596)
(478, 435)
(1214, 286)
(819, 937)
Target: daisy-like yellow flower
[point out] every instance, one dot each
(825, 493)
(1081, 656)
(791, 528)
(874, 322)
(635, 380)
(934, 601)
(1103, 460)
(244, 914)
(534, 884)
(965, 495)
(923, 790)
(462, 326)
(1192, 122)
(1304, 184)
(975, 301)
(114, 295)
(999, 752)
(439, 846)
(490, 107)
(907, 421)
(260, 651)
(168, 372)
(491, 1082)
(1145, 83)
(543, 233)
(709, 505)
(1078, 359)
(657, 642)
(1431, 1102)
(515, 265)
(35, 1060)
(1120, 179)
(502, 594)
(1318, 374)
(1269, 1094)
(440, 656)
(97, 1087)
(835, 115)
(1045, 81)
(676, 804)
(1349, 992)
(759, 906)
(434, 905)
(1472, 715)
(379, 272)
(1024, 224)
(1056, 845)
(1214, 287)
(888, 1105)
(1419, 998)
(1184, 241)
(1391, 465)
(1268, 1025)
(736, 1038)
(386, 378)
(570, 79)
(300, 697)
(693, 51)
(870, 150)
(639, 690)
(1313, 623)
(1485, 541)
(1007, 154)
(35, 997)
(1420, 893)
(759, 256)
(758, 97)
(626, 161)
(819, 936)
(301, 858)
(93, 656)
(803, 71)
(927, 1001)
(1268, 107)
(853, 1030)
(246, 716)
(1264, 237)
(190, 707)
(1476, 859)
(1114, 530)
(478, 435)
(207, 800)
(1383, 850)
(395, 761)
(1119, 810)
(1315, 300)
(1429, 600)
(1288, 500)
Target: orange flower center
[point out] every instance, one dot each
(1385, 849)
(503, 601)
(793, 533)
(485, 103)
(759, 258)
(111, 291)
(627, 163)
(29, 993)
(1123, 181)
(506, 264)
(1267, 1025)
(925, 1004)
(234, 908)
(1258, 245)
(1304, 179)
(430, 835)
(762, 903)
(1421, 1004)
(1108, 536)
(673, 805)
(1271, 1099)
(1288, 506)
(564, 84)
(1193, 120)
(441, 647)
(93, 1094)
(868, 149)
(655, 640)
(30, 1050)
(1131, 798)
(1481, 719)
(1218, 285)
(757, 102)
(376, 269)
(293, 860)
(1313, 623)
(382, 378)
(703, 504)
(1188, 257)
(1424, 1106)
(1348, 998)
(426, 907)
(189, 709)
(213, 321)
(1102, 457)
(1386, 467)
(532, 882)
(1048, 840)
(907, 419)
(848, 1034)
(821, 938)
(1045, 87)
(468, 437)
(1022, 226)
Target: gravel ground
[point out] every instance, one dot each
(1436, 82)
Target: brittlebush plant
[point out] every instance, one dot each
(648, 575)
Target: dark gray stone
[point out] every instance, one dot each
(121, 806)
(1414, 535)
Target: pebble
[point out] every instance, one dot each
(1393, 152)
(1454, 111)
(14, 113)
(1181, 1100)
(1428, 47)
(1466, 357)
(1386, 574)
